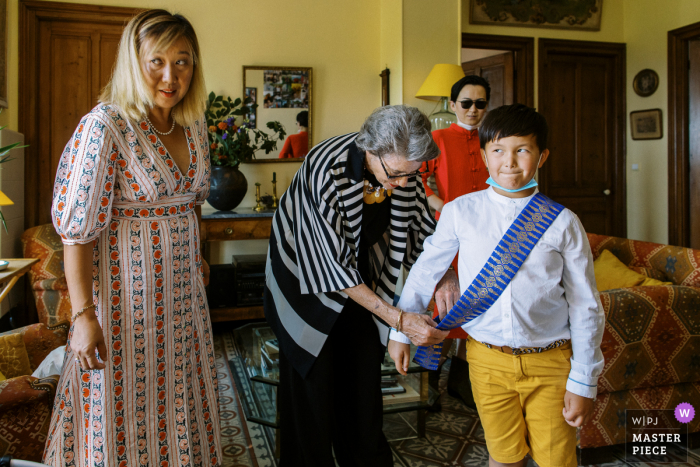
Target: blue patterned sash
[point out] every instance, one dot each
(499, 270)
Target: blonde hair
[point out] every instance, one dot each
(127, 88)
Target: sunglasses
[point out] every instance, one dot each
(394, 177)
(480, 104)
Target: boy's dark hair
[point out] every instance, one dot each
(303, 118)
(514, 120)
(474, 80)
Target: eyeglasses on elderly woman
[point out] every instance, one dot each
(394, 177)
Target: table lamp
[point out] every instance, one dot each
(4, 201)
(437, 86)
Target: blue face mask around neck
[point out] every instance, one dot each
(531, 184)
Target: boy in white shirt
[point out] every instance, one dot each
(534, 355)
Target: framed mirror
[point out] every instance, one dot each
(283, 94)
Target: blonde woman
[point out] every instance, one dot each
(139, 385)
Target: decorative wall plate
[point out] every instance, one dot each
(646, 82)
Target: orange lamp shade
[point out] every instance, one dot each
(439, 82)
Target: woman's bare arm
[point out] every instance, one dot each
(417, 327)
(87, 333)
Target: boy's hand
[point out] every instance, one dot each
(577, 409)
(447, 292)
(401, 353)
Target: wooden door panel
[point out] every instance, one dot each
(498, 71)
(595, 116)
(66, 56)
(560, 168)
(582, 97)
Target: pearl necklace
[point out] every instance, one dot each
(153, 127)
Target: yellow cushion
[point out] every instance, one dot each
(2, 377)
(14, 360)
(611, 273)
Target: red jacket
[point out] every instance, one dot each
(458, 169)
(295, 146)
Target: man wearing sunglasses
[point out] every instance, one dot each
(458, 170)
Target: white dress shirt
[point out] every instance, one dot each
(553, 296)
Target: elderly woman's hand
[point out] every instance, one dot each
(421, 330)
(447, 293)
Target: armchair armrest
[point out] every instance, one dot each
(27, 391)
(40, 339)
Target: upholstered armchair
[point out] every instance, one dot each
(651, 342)
(47, 277)
(26, 402)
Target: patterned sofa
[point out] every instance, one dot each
(651, 342)
(26, 402)
(47, 278)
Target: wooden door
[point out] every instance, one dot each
(581, 93)
(694, 142)
(498, 71)
(67, 52)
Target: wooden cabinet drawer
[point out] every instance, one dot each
(233, 229)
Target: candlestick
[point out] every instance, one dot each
(258, 207)
(274, 177)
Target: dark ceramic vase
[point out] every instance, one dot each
(228, 187)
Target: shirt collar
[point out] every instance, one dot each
(500, 199)
(356, 163)
(470, 127)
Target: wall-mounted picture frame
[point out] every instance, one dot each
(385, 86)
(558, 14)
(251, 97)
(646, 124)
(646, 82)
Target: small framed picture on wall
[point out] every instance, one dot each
(251, 99)
(646, 124)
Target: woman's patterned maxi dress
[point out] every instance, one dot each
(156, 402)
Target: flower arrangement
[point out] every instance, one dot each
(231, 143)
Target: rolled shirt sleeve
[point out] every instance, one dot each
(438, 252)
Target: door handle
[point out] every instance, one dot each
(606, 192)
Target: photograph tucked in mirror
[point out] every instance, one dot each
(282, 94)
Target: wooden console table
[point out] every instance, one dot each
(230, 225)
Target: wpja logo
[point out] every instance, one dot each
(658, 435)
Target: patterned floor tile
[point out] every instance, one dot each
(454, 436)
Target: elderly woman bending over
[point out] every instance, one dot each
(354, 213)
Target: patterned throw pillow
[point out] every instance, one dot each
(14, 360)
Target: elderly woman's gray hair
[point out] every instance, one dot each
(398, 129)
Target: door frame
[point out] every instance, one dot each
(523, 49)
(678, 138)
(31, 14)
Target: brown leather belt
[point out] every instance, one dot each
(525, 350)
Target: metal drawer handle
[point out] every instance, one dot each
(229, 231)
(606, 192)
